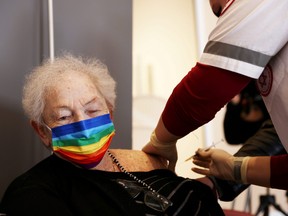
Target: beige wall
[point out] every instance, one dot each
(164, 50)
(163, 44)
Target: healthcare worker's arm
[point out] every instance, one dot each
(261, 170)
(221, 164)
(193, 102)
(265, 142)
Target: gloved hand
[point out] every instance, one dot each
(265, 142)
(221, 164)
(167, 151)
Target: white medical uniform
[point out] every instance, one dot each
(250, 38)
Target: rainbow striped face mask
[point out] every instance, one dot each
(85, 142)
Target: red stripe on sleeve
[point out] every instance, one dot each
(199, 96)
(279, 172)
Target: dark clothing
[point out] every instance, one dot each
(236, 129)
(56, 187)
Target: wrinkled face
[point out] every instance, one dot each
(217, 6)
(71, 99)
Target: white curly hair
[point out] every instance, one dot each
(43, 76)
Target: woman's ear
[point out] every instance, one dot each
(111, 112)
(111, 115)
(42, 132)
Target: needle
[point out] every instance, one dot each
(207, 148)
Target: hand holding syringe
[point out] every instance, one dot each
(207, 148)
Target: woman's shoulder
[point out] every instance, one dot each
(136, 160)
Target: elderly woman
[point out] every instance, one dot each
(70, 104)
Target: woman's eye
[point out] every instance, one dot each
(64, 118)
(95, 112)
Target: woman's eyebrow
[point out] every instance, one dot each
(58, 110)
(93, 100)
(96, 100)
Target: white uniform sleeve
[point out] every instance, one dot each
(247, 35)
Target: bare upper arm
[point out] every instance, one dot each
(136, 160)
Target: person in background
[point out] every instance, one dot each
(248, 42)
(70, 103)
(244, 115)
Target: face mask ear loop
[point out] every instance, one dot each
(50, 144)
(47, 127)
